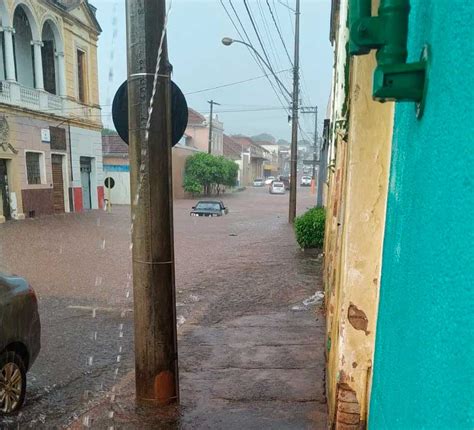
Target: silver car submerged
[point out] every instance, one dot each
(277, 188)
(20, 339)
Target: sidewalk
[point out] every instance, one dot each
(262, 370)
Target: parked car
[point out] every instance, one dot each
(258, 182)
(269, 180)
(209, 208)
(20, 339)
(305, 181)
(286, 181)
(277, 188)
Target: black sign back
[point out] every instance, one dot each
(179, 112)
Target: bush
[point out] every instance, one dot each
(309, 228)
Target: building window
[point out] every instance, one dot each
(33, 167)
(58, 138)
(81, 75)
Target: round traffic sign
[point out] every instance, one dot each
(109, 183)
(179, 112)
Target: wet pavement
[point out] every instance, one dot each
(251, 344)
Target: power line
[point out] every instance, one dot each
(253, 55)
(249, 13)
(272, 47)
(233, 83)
(259, 38)
(276, 108)
(279, 32)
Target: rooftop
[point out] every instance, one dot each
(113, 144)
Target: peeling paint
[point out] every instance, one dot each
(357, 318)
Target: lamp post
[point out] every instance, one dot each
(294, 96)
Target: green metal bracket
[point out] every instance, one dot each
(403, 82)
(358, 9)
(394, 79)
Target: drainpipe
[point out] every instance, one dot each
(70, 150)
(71, 187)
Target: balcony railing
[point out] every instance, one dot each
(15, 94)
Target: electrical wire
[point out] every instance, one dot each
(272, 47)
(249, 13)
(279, 33)
(253, 55)
(233, 83)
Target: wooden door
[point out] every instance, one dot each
(58, 183)
(4, 196)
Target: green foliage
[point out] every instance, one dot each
(263, 137)
(108, 132)
(192, 186)
(204, 172)
(309, 228)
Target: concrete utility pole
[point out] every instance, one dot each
(156, 359)
(212, 103)
(323, 162)
(313, 109)
(294, 124)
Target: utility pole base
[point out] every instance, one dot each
(164, 390)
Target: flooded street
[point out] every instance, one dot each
(251, 344)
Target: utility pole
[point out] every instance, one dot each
(294, 124)
(313, 109)
(212, 103)
(323, 160)
(156, 359)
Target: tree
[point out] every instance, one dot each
(205, 173)
(263, 137)
(108, 132)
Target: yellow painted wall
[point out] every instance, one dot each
(77, 31)
(356, 206)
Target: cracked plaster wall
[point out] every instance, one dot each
(353, 249)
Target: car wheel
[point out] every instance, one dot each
(12, 382)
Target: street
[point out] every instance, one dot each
(251, 344)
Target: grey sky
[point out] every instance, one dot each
(200, 61)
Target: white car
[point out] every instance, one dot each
(305, 181)
(258, 182)
(277, 188)
(269, 180)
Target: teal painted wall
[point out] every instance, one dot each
(424, 356)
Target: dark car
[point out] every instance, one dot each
(209, 208)
(20, 339)
(285, 180)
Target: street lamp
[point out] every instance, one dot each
(227, 41)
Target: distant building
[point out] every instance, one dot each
(197, 133)
(50, 140)
(256, 155)
(271, 167)
(117, 166)
(233, 151)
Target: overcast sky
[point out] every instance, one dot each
(200, 61)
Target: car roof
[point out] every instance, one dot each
(277, 182)
(210, 201)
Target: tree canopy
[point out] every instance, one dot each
(205, 172)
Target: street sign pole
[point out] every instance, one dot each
(156, 358)
(109, 203)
